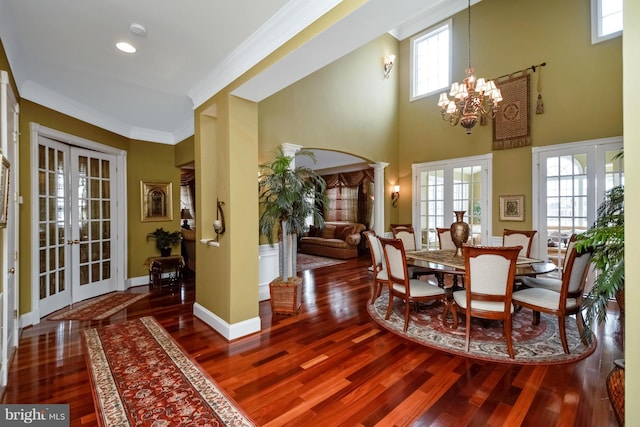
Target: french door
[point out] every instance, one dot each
(440, 188)
(570, 181)
(76, 202)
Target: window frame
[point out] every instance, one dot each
(413, 63)
(596, 24)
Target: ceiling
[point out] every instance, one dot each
(62, 53)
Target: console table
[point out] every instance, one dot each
(173, 265)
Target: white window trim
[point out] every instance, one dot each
(596, 21)
(448, 23)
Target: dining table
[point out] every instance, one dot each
(443, 262)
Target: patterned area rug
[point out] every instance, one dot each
(99, 308)
(309, 262)
(140, 376)
(532, 344)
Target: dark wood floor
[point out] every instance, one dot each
(331, 366)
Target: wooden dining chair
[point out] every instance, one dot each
(400, 284)
(490, 272)
(522, 238)
(407, 234)
(551, 283)
(379, 265)
(445, 242)
(567, 301)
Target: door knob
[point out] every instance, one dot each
(12, 270)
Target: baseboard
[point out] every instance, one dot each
(230, 332)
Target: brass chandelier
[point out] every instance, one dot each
(469, 103)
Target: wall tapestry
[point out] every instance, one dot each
(511, 125)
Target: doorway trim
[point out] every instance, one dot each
(120, 246)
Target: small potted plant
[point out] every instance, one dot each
(165, 240)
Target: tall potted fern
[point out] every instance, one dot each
(288, 196)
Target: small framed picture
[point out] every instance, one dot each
(4, 191)
(155, 201)
(512, 208)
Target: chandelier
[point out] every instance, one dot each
(469, 102)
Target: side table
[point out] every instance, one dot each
(173, 264)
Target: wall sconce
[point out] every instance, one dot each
(219, 225)
(395, 195)
(185, 215)
(388, 65)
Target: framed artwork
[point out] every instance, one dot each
(155, 201)
(4, 191)
(512, 208)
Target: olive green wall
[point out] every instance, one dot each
(148, 161)
(581, 90)
(347, 106)
(184, 151)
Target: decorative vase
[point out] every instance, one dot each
(459, 232)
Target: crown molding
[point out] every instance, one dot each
(289, 21)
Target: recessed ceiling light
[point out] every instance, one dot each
(138, 29)
(125, 47)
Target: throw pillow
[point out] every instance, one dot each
(314, 231)
(328, 232)
(345, 232)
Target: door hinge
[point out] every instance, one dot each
(15, 314)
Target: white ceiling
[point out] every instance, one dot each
(62, 52)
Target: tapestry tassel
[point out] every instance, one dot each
(540, 104)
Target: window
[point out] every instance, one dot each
(431, 61)
(571, 180)
(453, 185)
(606, 20)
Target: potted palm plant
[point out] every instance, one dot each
(288, 196)
(165, 240)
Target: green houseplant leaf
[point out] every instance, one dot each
(165, 239)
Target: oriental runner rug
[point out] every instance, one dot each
(309, 262)
(141, 377)
(532, 344)
(101, 307)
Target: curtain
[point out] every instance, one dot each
(188, 190)
(350, 197)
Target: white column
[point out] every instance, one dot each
(378, 197)
(290, 150)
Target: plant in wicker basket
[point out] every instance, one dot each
(288, 196)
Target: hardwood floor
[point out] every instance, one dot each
(331, 366)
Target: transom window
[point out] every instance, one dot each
(431, 61)
(606, 20)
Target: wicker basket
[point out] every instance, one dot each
(615, 390)
(286, 297)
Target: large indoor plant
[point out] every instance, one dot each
(288, 196)
(165, 240)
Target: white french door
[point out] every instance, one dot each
(570, 181)
(440, 188)
(77, 223)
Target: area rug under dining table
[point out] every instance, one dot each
(141, 377)
(532, 344)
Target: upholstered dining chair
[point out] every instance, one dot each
(522, 238)
(567, 301)
(407, 234)
(379, 265)
(445, 242)
(551, 283)
(490, 272)
(400, 284)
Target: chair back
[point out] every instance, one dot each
(396, 261)
(377, 257)
(522, 238)
(407, 235)
(574, 277)
(444, 239)
(490, 273)
(570, 244)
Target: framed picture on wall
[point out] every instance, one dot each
(512, 208)
(155, 201)
(4, 191)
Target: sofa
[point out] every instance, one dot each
(189, 248)
(334, 240)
